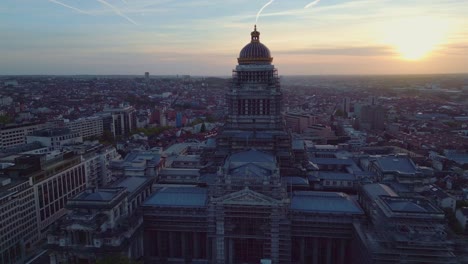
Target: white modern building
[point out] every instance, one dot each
(119, 121)
(87, 127)
(55, 139)
(12, 135)
(97, 164)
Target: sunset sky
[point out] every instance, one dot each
(204, 37)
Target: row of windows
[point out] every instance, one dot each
(12, 209)
(57, 205)
(253, 106)
(338, 183)
(86, 126)
(18, 229)
(14, 141)
(61, 185)
(13, 132)
(11, 255)
(13, 136)
(71, 136)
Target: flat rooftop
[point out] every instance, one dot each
(400, 164)
(410, 205)
(100, 195)
(324, 202)
(178, 197)
(132, 183)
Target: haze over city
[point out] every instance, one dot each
(203, 37)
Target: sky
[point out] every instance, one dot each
(204, 37)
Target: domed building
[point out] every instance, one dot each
(244, 210)
(255, 52)
(254, 116)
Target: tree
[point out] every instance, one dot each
(340, 112)
(210, 119)
(203, 128)
(5, 119)
(107, 138)
(196, 121)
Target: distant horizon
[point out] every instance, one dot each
(226, 76)
(203, 38)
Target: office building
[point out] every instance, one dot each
(89, 127)
(33, 195)
(54, 138)
(119, 121)
(15, 134)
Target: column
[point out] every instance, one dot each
(231, 251)
(183, 243)
(159, 243)
(220, 257)
(148, 238)
(53, 258)
(196, 243)
(341, 256)
(208, 247)
(171, 244)
(214, 254)
(329, 250)
(315, 250)
(275, 215)
(302, 250)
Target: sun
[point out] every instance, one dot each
(415, 38)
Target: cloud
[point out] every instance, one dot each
(454, 49)
(312, 3)
(117, 11)
(70, 7)
(343, 51)
(261, 9)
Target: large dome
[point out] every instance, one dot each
(255, 52)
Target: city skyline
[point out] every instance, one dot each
(203, 37)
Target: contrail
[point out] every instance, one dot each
(117, 11)
(312, 4)
(261, 9)
(71, 7)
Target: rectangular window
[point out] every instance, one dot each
(50, 191)
(41, 199)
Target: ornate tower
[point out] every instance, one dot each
(254, 118)
(254, 101)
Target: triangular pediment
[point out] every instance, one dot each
(250, 169)
(79, 226)
(247, 197)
